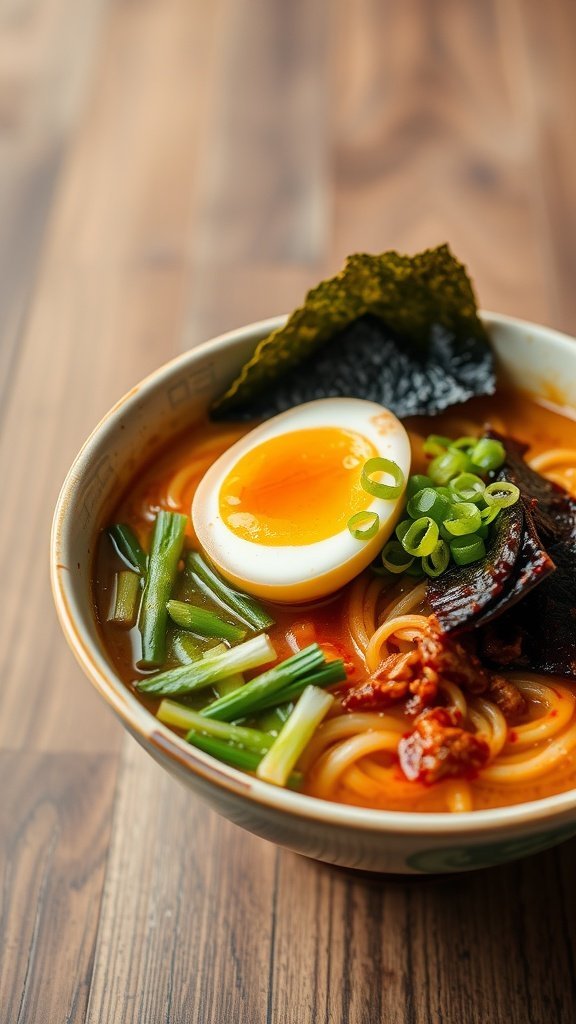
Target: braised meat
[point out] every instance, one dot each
(438, 748)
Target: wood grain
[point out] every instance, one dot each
(55, 817)
(168, 170)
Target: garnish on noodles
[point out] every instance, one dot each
(368, 609)
(402, 331)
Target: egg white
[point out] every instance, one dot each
(301, 572)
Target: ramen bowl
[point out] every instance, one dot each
(533, 358)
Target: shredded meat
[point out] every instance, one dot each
(415, 677)
(398, 677)
(508, 698)
(438, 748)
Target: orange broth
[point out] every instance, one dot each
(511, 412)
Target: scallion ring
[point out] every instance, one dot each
(437, 562)
(444, 467)
(501, 494)
(416, 483)
(465, 519)
(489, 514)
(488, 454)
(394, 557)
(364, 525)
(467, 487)
(375, 487)
(463, 443)
(422, 537)
(435, 444)
(429, 502)
(466, 550)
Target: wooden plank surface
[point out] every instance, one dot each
(169, 170)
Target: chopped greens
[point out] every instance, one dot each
(449, 511)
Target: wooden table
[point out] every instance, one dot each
(170, 169)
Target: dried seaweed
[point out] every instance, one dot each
(400, 330)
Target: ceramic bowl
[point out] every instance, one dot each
(175, 397)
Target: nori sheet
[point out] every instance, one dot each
(399, 330)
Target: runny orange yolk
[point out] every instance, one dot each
(297, 488)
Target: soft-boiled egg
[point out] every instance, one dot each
(272, 512)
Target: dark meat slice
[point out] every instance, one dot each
(532, 567)
(462, 594)
(543, 624)
(439, 748)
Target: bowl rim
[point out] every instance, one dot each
(142, 724)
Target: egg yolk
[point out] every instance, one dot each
(297, 488)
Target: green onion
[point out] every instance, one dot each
(465, 550)
(229, 684)
(330, 674)
(448, 465)
(465, 519)
(239, 605)
(467, 487)
(394, 558)
(463, 443)
(402, 529)
(127, 546)
(203, 622)
(238, 757)
(375, 487)
(421, 538)
(429, 503)
(211, 669)
(437, 563)
(272, 721)
(182, 717)
(364, 525)
(274, 683)
(295, 735)
(489, 514)
(416, 483)
(501, 494)
(165, 552)
(183, 648)
(435, 444)
(488, 454)
(126, 600)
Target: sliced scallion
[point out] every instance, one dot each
(126, 599)
(394, 558)
(294, 736)
(421, 538)
(379, 466)
(467, 487)
(203, 622)
(162, 567)
(428, 502)
(435, 444)
(240, 605)
(128, 546)
(416, 483)
(501, 494)
(444, 467)
(488, 454)
(466, 550)
(364, 525)
(211, 669)
(437, 563)
(465, 519)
